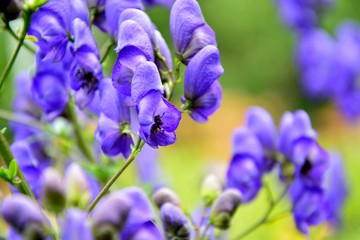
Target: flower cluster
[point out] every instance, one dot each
(331, 70)
(301, 163)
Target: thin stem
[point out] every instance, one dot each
(205, 231)
(26, 17)
(203, 215)
(7, 157)
(79, 133)
(129, 160)
(18, 119)
(14, 35)
(108, 46)
(264, 219)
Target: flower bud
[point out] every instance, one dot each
(175, 223)
(52, 191)
(109, 216)
(165, 195)
(11, 9)
(23, 215)
(224, 208)
(210, 190)
(76, 186)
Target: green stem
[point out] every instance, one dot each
(26, 17)
(108, 46)
(205, 231)
(7, 157)
(13, 34)
(112, 180)
(266, 216)
(18, 119)
(79, 133)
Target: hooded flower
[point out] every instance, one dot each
(189, 31)
(175, 223)
(86, 71)
(114, 122)
(134, 47)
(311, 161)
(51, 25)
(309, 206)
(158, 119)
(294, 126)
(113, 10)
(262, 125)
(202, 90)
(245, 169)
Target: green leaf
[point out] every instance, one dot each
(13, 169)
(4, 174)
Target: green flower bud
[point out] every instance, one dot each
(210, 190)
(76, 186)
(165, 195)
(53, 191)
(224, 208)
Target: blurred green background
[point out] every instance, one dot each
(257, 55)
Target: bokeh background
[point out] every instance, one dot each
(257, 53)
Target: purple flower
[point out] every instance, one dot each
(189, 31)
(302, 15)
(336, 187)
(202, 90)
(114, 121)
(23, 214)
(50, 91)
(176, 225)
(317, 68)
(51, 25)
(24, 106)
(86, 71)
(245, 170)
(158, 119)
(309, 206)
(75, 226)
(141, 18)
(164, 3)
(163, 48)
(262, 125)
(99, 13)
(311, 161)
(113, 10)
(294, 126)
(31, 166)
(134, 47)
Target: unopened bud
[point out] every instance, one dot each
(53, 191)
(23, 214)
(176, 224)
(224, 208)
(109, 216)
(10, 9)
(210, 190)
(165, 195)
(76, 186)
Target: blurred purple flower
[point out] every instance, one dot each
(164, 3)
(309, 206)
(75, 226)
(86, 70)
(259, 121)
(311, 161)
(202, 90)
(22, 213)
(176, 225)
(294, 126)
(245, 170)
(114, 121)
